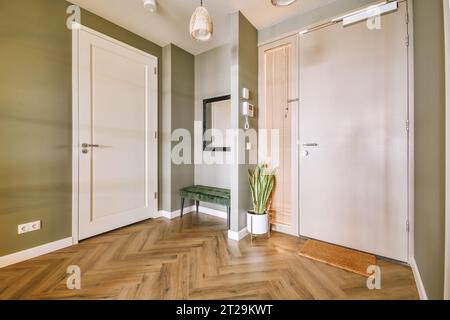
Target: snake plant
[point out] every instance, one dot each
(262, 181)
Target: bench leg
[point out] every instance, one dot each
(229, 216)
(182, 207)
(197, 203)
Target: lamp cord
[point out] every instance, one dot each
(247, 124)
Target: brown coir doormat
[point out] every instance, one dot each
(339, 257)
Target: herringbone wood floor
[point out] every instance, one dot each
(193, 259)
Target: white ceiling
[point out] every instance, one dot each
(170, 24)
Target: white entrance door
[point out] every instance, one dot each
(117, 144)
(354, 138)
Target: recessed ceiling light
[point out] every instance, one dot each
(282, 3)
(151, 5)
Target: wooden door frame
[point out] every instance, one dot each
(76, 28)
(447, 156)
(294, 230)
(411, 143)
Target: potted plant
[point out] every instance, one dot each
(262, 181)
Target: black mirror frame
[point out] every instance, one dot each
(205, 143)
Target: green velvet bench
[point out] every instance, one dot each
(206, 194)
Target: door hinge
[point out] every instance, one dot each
(407, 17)
(407, 226)
(156, 135)
(155, 70)
(156, 195)
(407, 40)
(407, 125)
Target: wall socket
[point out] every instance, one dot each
(29, 227)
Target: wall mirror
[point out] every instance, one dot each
(216, 121)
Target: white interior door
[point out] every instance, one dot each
(117, 144)
(353, 135)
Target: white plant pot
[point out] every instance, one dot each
(257, 223)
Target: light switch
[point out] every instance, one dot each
(245, 93)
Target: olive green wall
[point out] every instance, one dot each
(183, 116)
(165, 132)
(35, 117)
(244, 74)
(178, 112)
(429, 68)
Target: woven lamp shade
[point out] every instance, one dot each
(201, 27)
(282, 3)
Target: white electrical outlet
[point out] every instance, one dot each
(29, 227)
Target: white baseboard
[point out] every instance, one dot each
(164, 214)
(34, 252)
(213, 212)
(418, 278)
(284, 229)
(174, 214)
(204, 210)
(237, 236)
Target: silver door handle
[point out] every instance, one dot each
(310, 145)
(87, 145)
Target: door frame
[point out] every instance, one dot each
(76, 28)
(410, 79)
(447, 156)
(411, 130)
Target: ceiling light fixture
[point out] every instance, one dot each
(282, 3)
(151, 5)
(201, 26)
